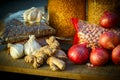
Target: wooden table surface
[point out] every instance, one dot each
(72, 71)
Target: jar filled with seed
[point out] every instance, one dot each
(61, 11)
(97, 7)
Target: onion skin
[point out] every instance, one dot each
(109, 19)
(116, 55)
(78, 54)
(109, 40)
(99, 56)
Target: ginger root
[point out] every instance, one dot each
(29, 59)
(53, 67)
(52, 46)
(50, 40)
(53, 43)
(35, 64)
(47, 50)
(41, 57)
(32, 59)
(51, 54)
(37, 60)
(55, 63)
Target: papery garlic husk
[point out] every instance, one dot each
(16, 50)
(32, 15)
(31, 46)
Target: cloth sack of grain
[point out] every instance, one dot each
(16, 30)
(90, 33)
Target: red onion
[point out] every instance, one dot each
(109, 19)
(78, 53)
(116, 55)
(99, 56)
(109, 40)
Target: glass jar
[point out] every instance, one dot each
(97, 7)
(61, 11)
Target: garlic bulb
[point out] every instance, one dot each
(32, 15)
(31, 46)
(16, 50)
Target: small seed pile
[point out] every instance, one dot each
(90, 33)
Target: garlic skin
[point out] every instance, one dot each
(31, 46)
(16, 50)
(32, 15)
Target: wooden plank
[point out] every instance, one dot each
(72, 71)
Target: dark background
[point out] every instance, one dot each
(11, 6)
